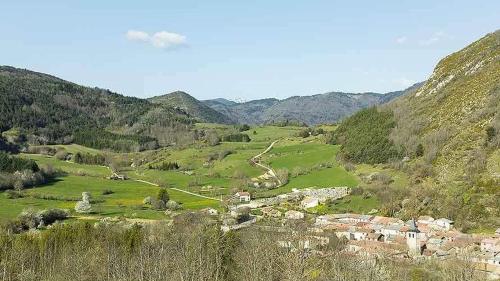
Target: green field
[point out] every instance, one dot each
(202, 171)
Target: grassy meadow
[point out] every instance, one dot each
(310, 162)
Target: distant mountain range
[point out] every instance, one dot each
(317, 109)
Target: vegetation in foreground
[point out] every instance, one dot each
(194, 248)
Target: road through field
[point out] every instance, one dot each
(268, 169)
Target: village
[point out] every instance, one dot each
(369, 235)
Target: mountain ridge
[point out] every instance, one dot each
(315, 109)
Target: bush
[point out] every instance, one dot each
(11, 164)
(147, 200)
(165, 166)
(236, 138)
(283, 176)
(163, 195)
(62, 155)
(89, 159)
(172, 205)
(107, 192)
(13, 194)
(30, 219)
(158, 204)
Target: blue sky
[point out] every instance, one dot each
(240, 50)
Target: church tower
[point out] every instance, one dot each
(413, 239)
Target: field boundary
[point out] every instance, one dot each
(180, 190)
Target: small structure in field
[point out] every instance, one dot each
(242, 196)
(309, 202)
(116, 176)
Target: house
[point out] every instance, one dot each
(490, 245)
(435, 243)
(309, 202)
(375, 237)
(443, 223)
(391, 230)
(361, 233)
(294, 215)
(242, 196)
(425, 220)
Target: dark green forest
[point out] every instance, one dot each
(365, 137)
(48, 110)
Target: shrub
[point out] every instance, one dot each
(30, 219)
(107, 192)
(236, 138)
(283, 176)
(147, 200)
(158, 204)
(165, 166)
(172, 205)
(163, 195)
(61, 155)
(13, 194)
(89, 159)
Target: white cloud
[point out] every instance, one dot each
(433, 39)
(401, 40)
(160, 39)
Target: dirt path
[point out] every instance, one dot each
(196, 194)
(269, 170)
(180, 190)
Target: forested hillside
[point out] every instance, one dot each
(448, 132)
(317, 109)
(192, 106)
(41, 109)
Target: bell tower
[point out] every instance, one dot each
(413, 239)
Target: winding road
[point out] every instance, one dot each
(254, 160)
(268, 169)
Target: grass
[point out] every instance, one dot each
(301, 155)
(126, 200)
(75, 148)
(69, 167)
(354, 204)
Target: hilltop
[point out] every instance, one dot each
(192, 106)
(43, 109)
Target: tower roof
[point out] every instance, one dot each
(413, 226)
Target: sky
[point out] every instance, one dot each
(240, 50)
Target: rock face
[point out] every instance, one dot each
(450, 115)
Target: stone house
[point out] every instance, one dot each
(309, 202)
(242, 196)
